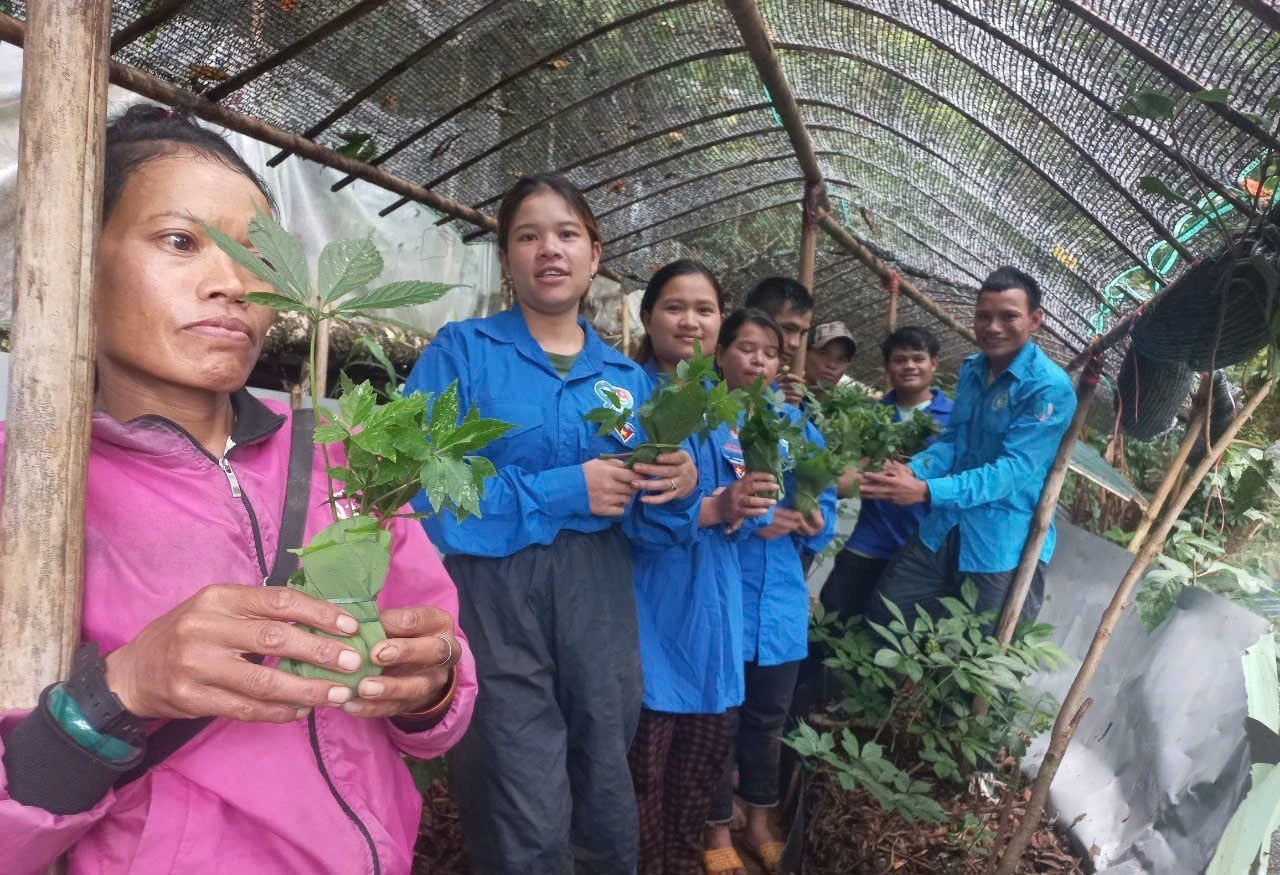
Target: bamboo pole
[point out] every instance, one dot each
(1177, 465)
(892, 287)
(1063, 726)
(755, 36)
(1042, 521)
(60, 153)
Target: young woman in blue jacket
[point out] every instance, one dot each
(689, 600)
(775, 616)
(544, 574)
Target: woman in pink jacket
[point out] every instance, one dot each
(186, 492)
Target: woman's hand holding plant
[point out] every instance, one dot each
(735, 504)
(610, 486)
(417, 660)
(190, 661)
(671, 476)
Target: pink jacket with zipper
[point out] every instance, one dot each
(326, 794)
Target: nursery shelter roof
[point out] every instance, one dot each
(952, 135)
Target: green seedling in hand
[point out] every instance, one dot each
(391, 450)
(694, 401)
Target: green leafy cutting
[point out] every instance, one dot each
(815, 470)
(392, 450)
(694, 401)
(763, 432)
(857, 426)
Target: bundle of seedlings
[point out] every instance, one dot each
(693, 401)
(381, 454)
(768, 435)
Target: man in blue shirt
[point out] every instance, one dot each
(983, 476)
(910, 362)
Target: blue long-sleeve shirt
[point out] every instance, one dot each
(884, 527)
(540, 489)
(986, 470)
(775, 598)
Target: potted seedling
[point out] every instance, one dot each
(390, 450)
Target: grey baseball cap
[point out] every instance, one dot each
(829, 332)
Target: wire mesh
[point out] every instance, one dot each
(955, 135)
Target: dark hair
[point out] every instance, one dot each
(144, 132)
(658, 282)
(526, 186)
(911, 337)
(1004, 278)
(774, 293)
(746, 316)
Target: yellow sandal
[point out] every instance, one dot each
(769, 854)
(721, 860)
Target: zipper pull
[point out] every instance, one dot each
(231, 477)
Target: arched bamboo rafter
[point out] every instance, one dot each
(1100, 171)
(990, 132)
(977, 196)
(1203, 176)
(942, 203)
(498, 86)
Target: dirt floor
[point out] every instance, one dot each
(848, 835)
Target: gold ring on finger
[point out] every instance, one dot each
(449, 644)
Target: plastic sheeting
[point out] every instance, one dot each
(413, 246)
(1160, 761)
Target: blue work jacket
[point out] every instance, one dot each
(539, 489)
(775, 597)
(986, 470)
(689, 600)
(883, 527)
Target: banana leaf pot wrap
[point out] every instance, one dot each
(346, 564)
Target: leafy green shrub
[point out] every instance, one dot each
(910, 691)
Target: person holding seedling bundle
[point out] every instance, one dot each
(883, 528)
(689, 596)
(773, 437)
(545, 572)
(190, 509)
(982, 477)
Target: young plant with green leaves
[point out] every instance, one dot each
(815, 470)
(390, 451)
(765, 431)
(907, 694)
(692, 401)
(857, 426)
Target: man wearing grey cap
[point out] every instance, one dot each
(831, 351)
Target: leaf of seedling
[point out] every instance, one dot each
(277, 302)
(347, 265)
(283, 252)
(409, 293)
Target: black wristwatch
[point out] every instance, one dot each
(102, 708)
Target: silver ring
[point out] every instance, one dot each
(674, 488)
(449, 644)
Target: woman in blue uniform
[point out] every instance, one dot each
(775, 615)
(689, 600)
(544, 574)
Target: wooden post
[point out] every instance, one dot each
(813, 192)
(1048, 503)
(892, 287)
(60, 149)
(1177, 465)
(1074, 700)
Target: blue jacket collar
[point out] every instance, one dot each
(939, 404)
(508, 326)
(1019, 369)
